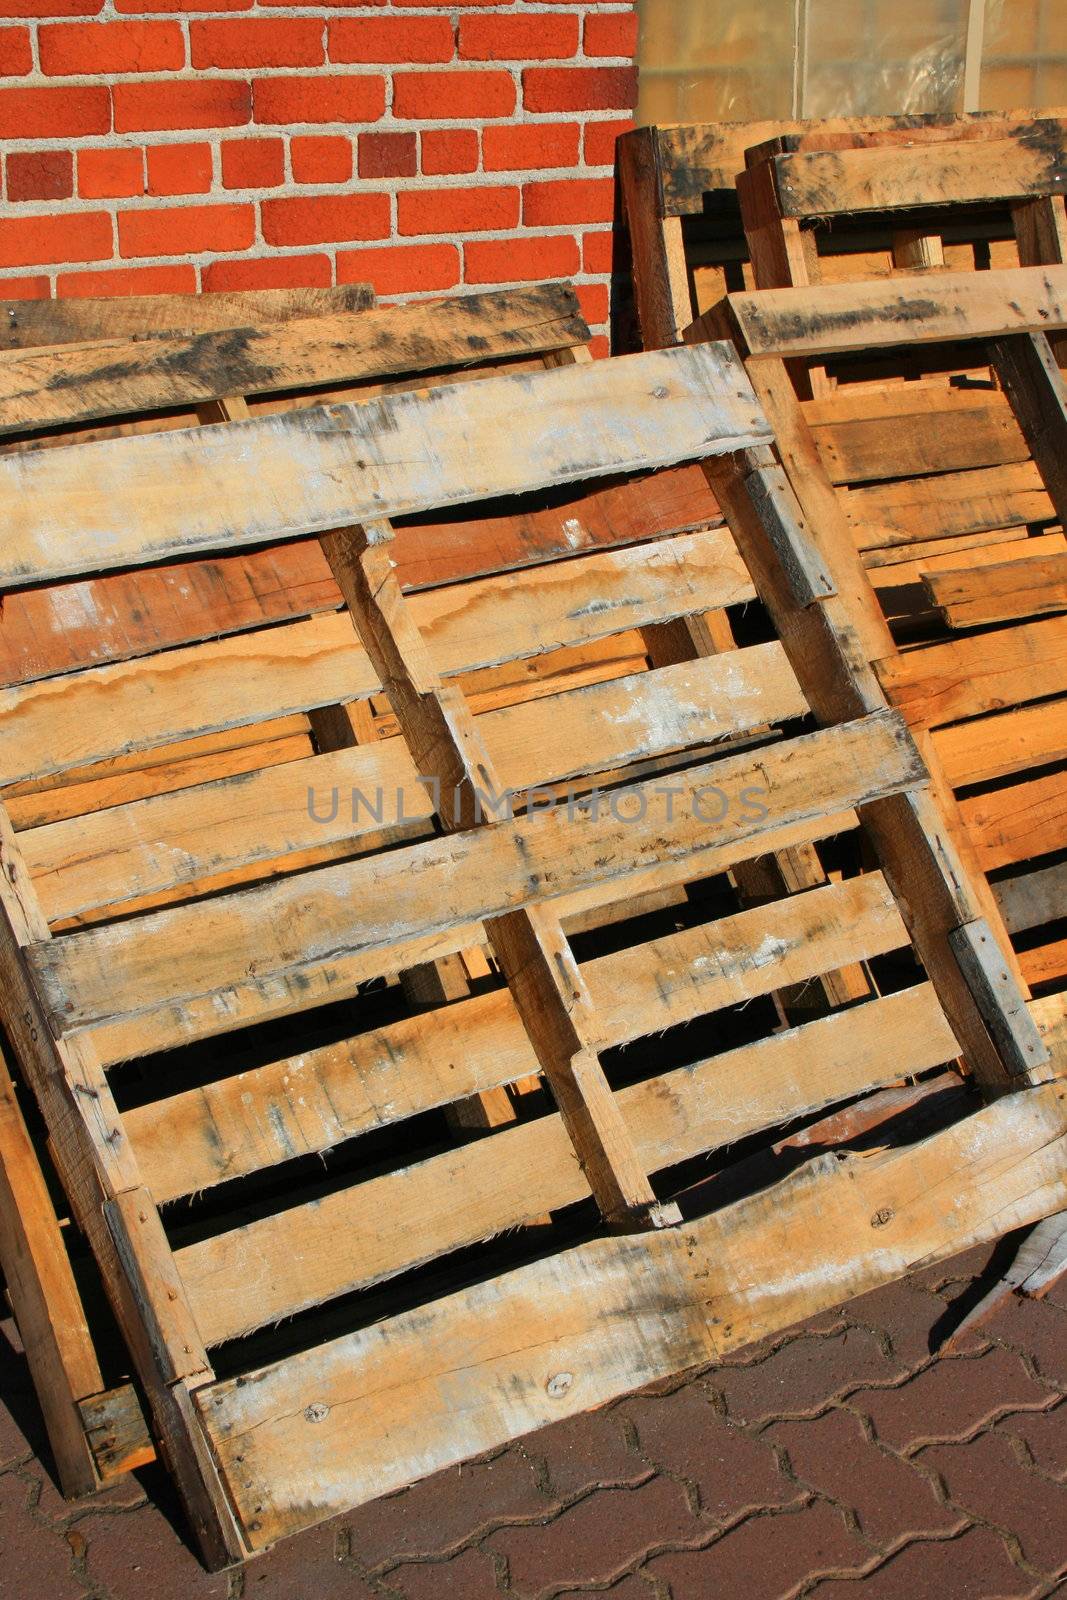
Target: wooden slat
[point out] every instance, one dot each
(1001, 592)
(136, 501)
(696, 159)
(902, 430)
(1018, 821)
(128, 852)
(942, 506)
(1033, 898)
(823, 321)
(60, 722)
(272, 949)
(375, 1409)
(297, 1254)
(952, 172)
(940, 683)
(308, 1103)
(75, 383)
(1007, 741)
(27, 323)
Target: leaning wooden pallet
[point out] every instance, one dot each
(95, 1433)
(684, 220)
(414, 1340)
(980, 669)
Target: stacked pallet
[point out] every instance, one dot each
(584, 748)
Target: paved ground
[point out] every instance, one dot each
(839, 1454)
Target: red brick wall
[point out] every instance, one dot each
(173, 145)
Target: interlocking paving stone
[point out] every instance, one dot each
(706, 1509)
(952, 1399)
(975, 1566)
(765, 1558)
(985, 1478)
(892, 1499)
(682, 1435)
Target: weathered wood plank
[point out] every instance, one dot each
(951, 172)
(271, 949)
(313, 1435)
(75, 383)
(28, 323)
(60, 722)
(821, 320)
(136, 501)
(1000, 592)
(940, 683)
(918, 510)
(127, 852)
(1006, 742)
(902, 430)
(1018, 821)
(1033, 898)
(311, 1102)
(297, 1256)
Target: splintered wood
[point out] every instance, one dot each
(588, 764)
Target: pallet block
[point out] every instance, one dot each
(680, 196)
(320, 1288)
(96, 1433)
(976, 660)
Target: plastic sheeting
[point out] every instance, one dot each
(712, 60)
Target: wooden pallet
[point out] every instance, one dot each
(228, 1047)
(97, 1432)
(971, 576)
(688, 241)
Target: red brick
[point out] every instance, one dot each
(1044, 1433)
(391, 39)
(611, 33)
(951, 1399)
(441, 1512)
(124, 1550)
(388, 155)
(985, 1479)
(579, 88)
(40, 175)
(598, 251)
(341, 97)
(175, 230)
(547, 205)
(449, 150)
(182, 5)
(907, 1316)
(469, 210)
(681, 1434)
(320, 158)
(530, 145)
(38, 241)
(318, 219)
(30, 288)
(802, 1377)
(252, 163)
(110, 47)
(593, 299)
(766, 1558)
(128, 280)
(892, 1500)
(270, 272)
(600, 140)
(34, 1562)
(179, 168)
(16, 58)
(110, 174)
(972, 1567)
(257, 42)
(53, 112)
(468, 1576)
(542, 37)
(597, 1539)
(465, 95)
(401, 269)
(519, 260)
(50, 8)
(203, 103)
